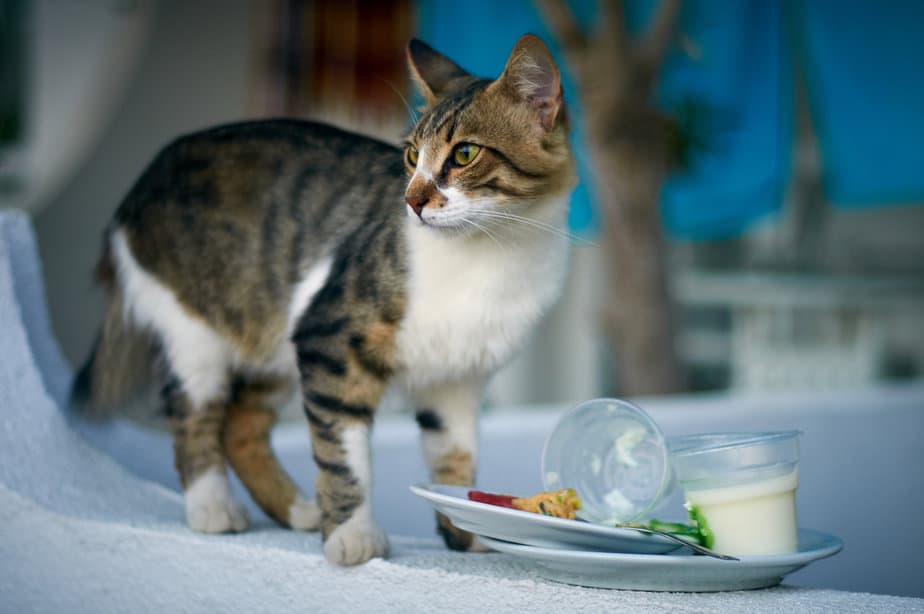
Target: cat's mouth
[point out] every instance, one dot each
(443, 223)
(440, 224)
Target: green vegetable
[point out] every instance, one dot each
(707, 537)
(698, 530)
(676, 528)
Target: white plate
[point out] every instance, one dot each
(672, 572)
(535, 529)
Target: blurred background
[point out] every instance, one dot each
(749, 214)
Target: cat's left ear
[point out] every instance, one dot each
(433, 72)
(532, 77)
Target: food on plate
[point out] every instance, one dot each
(491, 498)
(565, 503)
(562, 503)
(559, 503)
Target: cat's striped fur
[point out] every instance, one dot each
(258, 257)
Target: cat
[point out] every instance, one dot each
(253, 259)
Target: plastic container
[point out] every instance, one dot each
(744, 486)
(614, 455)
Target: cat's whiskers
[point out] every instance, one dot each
(533, 224)
(459, 219)
(487, 232)
(410, 110)
(471, 207)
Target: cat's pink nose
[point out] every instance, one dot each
(417, 202)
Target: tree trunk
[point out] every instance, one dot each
(632, 148)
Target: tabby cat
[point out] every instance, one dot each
(253, 258)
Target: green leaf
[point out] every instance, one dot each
(707, 537)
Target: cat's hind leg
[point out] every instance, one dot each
(195, 359)
(448, 417)
(200, 462)
(246, 439)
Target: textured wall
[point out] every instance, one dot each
(190, 76)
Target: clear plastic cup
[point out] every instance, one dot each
(614, 455)
(743, 485)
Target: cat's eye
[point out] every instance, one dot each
(464, 153)
(411, 155)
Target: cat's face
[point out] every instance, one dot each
(484, 151)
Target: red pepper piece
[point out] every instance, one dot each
(491, 498)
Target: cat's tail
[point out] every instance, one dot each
(121, 362)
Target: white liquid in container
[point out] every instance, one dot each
(756, 518)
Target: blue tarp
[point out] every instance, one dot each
(865, 81)
(736, 80)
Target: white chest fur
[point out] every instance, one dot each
(473, 301)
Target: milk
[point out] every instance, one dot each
(751, 519)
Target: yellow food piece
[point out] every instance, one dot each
(559, 503)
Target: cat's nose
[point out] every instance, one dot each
(417, 202)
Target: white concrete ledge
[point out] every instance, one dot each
(82, 531)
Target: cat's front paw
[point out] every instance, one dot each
(304, 515)
(355, 542)
(210, 507)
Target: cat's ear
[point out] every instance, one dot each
(532, 77)
(431, 70)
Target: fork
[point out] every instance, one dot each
(691, 545)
